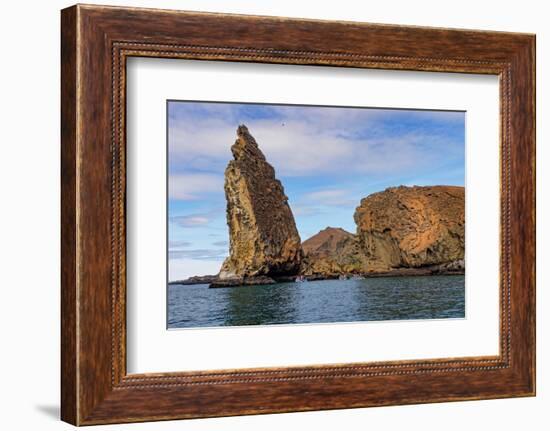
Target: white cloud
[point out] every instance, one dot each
(191, 220)
(191, 186)
(180, 269)
(175, 244)
(201, 144)
(305, 210)
(199, 254)
(332, 141)
(330, 197)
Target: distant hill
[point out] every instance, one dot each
(331, 251)
(326, 241)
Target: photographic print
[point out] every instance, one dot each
(299, 214)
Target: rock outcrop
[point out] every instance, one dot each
(196, 279)
(263, 238)
(243, 281)
(331, 252)
(412, 227)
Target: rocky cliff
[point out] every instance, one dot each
(411, 227)
(263, 238)
(332, 251)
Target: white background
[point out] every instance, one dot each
(151, 348)
(29, 225)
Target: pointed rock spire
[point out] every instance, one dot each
(263, 237)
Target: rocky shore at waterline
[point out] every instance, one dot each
(401, 231)
(452, 268)
(197, 279)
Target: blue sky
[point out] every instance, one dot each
(327, 158)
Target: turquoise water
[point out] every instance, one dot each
(326, 301)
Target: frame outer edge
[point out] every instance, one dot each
(533, 54)
(69, 201)
(532, 82)
(523, 179)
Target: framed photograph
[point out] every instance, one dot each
(263, 214)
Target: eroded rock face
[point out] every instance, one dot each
(332, 251)
(263, 237)
(411, 227)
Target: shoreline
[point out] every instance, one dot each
(214, 282)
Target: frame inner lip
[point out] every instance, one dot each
(189, 52)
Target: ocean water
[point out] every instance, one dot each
(325, 301)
